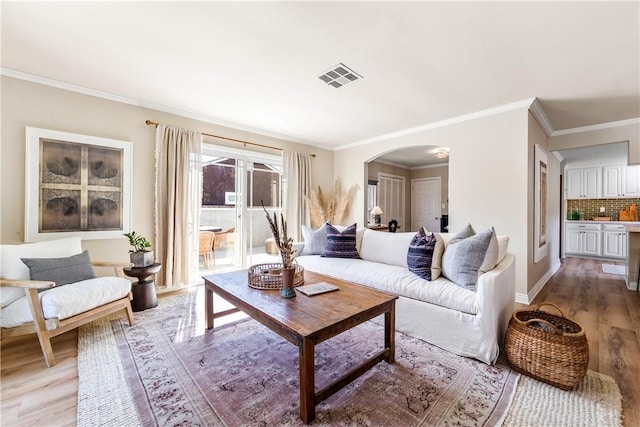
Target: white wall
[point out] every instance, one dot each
(488, 175)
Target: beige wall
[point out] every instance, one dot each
(538, 271)
(630, 133)
(29, 104)
(488, 176)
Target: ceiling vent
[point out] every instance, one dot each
(339, 76)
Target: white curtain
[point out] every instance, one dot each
(297, 183)
(178, 199)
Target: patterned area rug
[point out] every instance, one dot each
(244, 374)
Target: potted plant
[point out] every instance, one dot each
(140, 255)
(285, 246)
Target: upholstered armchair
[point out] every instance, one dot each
(50, 288)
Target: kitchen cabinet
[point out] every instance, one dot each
(583, 239)
(620, 181)
(584, 183)
(614, 241)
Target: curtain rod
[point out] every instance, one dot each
(150, 123)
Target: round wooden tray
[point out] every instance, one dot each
(269, 276)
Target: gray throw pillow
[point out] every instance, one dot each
(465, 233)
(61, 270)
(462, 259)
(315, 241)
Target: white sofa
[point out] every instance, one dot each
(465, 322)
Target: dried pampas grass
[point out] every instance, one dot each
(333, 209)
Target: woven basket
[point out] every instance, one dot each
(547, 347)
(269, 276)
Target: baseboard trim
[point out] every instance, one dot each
(531, 295)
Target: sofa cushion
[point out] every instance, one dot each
(463, 258)
(503, 244)
(436, 260)
(491, 257)
(315, 241)
(12, 267)
(62, 271)
(420, 254)
(465, 233)
(67, 301)
(388, 248)
(341, 244)
(394, 279)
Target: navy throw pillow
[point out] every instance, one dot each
(420, 254)
(341, 245)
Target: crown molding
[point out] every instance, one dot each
(541, 117)
(525, 103)
(600, 126)
(151, 106)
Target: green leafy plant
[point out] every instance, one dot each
(139, 243)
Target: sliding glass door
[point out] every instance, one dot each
(235, 185)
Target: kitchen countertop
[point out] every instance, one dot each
(590, 221)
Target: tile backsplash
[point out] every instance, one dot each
(589, 208)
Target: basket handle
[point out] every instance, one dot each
(555, 329)
(537, 307)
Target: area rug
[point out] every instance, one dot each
(620, 270)
(167, 371)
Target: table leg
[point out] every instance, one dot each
(208, 306)
(389, 332)
(307, 381)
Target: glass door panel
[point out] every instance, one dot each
(235, 184)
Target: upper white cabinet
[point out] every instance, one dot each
(620, 181)
(611, 181)
(584, 183)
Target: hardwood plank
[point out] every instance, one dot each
(619, 358)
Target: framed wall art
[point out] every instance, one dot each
(540, 204)
(76, 185)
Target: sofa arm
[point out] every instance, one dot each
(29, 284)
(496, 294)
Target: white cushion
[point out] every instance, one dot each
(491, 256)
(503, 244)
(12, 267)
(394, 279)
(68, 300)
(387, 248)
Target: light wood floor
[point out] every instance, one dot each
(33, 395)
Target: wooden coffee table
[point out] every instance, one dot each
(307, 321)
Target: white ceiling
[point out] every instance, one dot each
(254, 65)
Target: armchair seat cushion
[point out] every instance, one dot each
(67, 301)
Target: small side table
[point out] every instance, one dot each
(144, 290)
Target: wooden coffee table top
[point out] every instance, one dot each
(303, 316)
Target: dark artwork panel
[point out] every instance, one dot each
(104, 211)
(61, 162)
(105, 166)
(60, 210)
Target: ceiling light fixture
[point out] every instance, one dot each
(442, 153)
(339, 75)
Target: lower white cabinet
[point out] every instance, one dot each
(614, 241)
(599, 240)
(583, 239)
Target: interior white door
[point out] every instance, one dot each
(425, 204)
(391, 198)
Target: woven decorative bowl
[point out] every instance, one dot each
(547, 347)
(269, 276)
